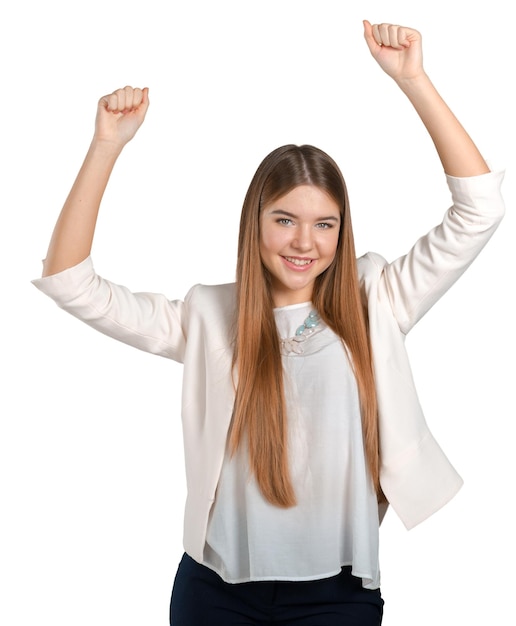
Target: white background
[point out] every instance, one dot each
(91, 466)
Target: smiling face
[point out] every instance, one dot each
(299, 234)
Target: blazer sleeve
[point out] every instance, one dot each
(415, 281)
(147, 321)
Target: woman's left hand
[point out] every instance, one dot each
(397, 49)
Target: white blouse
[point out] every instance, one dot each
(335, 521)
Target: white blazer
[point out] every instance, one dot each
(415, 474)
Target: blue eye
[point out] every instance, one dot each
(324, 225)
(284, 221)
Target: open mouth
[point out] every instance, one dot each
(298, 262)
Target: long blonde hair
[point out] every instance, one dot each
(259, 413)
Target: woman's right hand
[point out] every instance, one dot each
(120, 114)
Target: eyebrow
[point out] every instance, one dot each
(330, 218)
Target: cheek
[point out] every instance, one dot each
(270, 241)
(265, 253)
(328, 252)
(330, 247)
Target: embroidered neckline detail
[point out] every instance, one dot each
(311, 326)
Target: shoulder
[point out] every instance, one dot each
(370, 265)
(211, 292)
(212, 299)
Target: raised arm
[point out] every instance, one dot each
(398, 51)
(119, 115)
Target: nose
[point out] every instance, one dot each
(303, 240)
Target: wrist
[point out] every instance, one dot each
(106, 148)
(413, 84)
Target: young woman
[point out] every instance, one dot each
(301, 421)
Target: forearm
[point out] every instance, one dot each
(398, 51)
(73, 233)
(457, 152)
(119, 115)
(72, 238)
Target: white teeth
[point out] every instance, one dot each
(298, 261)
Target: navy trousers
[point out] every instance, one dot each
(201, 598)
